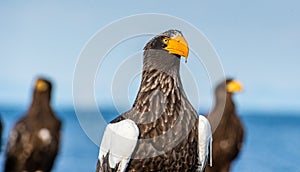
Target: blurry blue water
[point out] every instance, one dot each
(272, 142)
(77, 152)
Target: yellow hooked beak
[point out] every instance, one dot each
(177, 45)
(41, 85)
(234, 86)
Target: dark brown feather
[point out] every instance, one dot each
(183, 157)
(166, 120)
(26, 151)
(229, 133)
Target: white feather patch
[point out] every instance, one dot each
(45, 136)
(204, 142)
(119, 140)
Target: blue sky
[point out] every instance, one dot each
(257, 42)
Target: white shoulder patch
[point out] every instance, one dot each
(204, 142)
(45, 136)
(119, 140)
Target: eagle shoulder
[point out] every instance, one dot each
(204, 142)
(118, 143)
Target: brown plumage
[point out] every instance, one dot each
(167, 122)
(182, 157)
(228, 130)
(34, 141)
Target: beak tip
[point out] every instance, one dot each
(185, 58)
